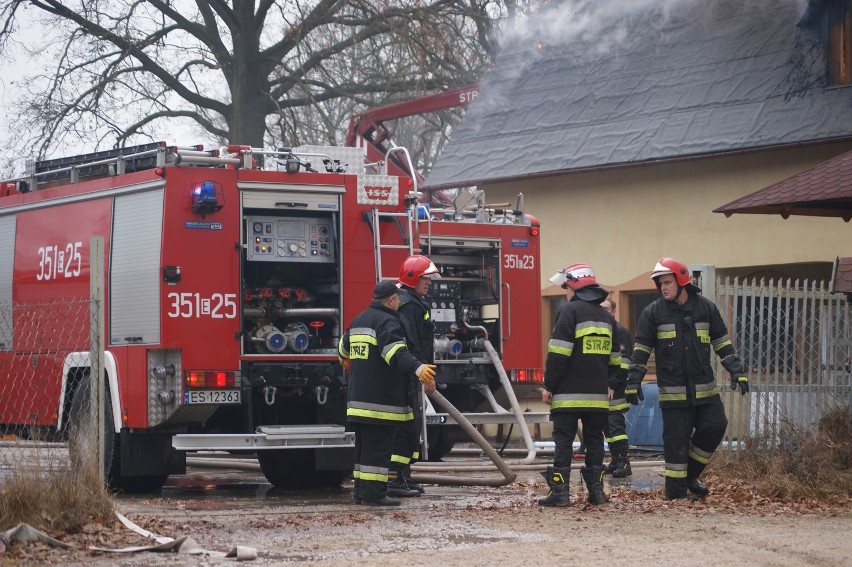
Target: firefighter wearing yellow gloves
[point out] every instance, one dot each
(682, 327)
(415, 279)
(380, 364)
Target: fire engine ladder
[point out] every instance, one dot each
(407, 227)
(406, 221)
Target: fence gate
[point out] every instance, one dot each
(795, 339)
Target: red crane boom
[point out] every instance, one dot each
(369, 125)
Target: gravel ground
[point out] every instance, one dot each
(463, 526)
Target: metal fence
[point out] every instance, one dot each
(47, 351)
(39, 341)
(795, 339)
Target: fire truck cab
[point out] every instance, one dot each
(230, 276)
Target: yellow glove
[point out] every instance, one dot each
(344, 362)
(426, 373)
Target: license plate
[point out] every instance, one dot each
(212, 397)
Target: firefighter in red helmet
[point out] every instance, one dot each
(415, 279)
(681, 327)
(582, 360)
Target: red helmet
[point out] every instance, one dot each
(575, 276)
(671, 266)
(414, 268)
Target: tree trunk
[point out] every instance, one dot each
(247, 122)
(250, 103)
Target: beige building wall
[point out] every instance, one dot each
(622, 220)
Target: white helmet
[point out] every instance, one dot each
(581, 279)
(575, 276)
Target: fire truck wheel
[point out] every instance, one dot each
(81, 437)
(440, 443)
(295, 468)
(81, 442)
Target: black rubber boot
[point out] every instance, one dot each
(620, 459)
(557, 480)
(693, 471)
(397, 486)
(386, 501)
(356, 492)
(697, 487)
(405, 471)
(676, 489)
(593, 477)
(613, 454)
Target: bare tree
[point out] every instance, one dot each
(247, 71)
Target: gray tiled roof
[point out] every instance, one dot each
(589, 88)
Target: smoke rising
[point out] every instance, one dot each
(603, 26)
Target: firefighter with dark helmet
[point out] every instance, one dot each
(415, 279)
(616, 431)
(380, 365)
(682, 327)
(582, 359)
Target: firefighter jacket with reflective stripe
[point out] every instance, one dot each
(416, 315)
(581, 358)
(619, 382)
(682, 337)
(381, 367)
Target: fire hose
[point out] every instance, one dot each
(508, 476)
(513, 401)
(485, 344)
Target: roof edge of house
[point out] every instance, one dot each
(623, 165)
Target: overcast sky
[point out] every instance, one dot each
(13, 70)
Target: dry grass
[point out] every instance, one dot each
(816, 464)
(55, 499)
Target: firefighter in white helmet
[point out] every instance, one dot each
(582, 358)
(682, 327)
(415, 279)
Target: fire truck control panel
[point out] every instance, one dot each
(277, 239)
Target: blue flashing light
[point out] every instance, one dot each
(207, 197)
(206, 192)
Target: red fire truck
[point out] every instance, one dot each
(230, 275)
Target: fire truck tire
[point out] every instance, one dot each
(81, 443)
(295, 468)
(440, 443)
